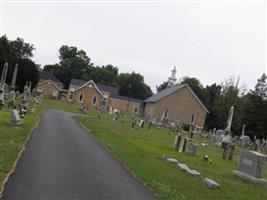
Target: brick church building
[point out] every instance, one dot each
(175, 103)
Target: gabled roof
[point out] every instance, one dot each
(77, 82)
(53, 83)
(111, 89)
(114, 91)
(87, 84)
(127, 98)
(48, 76)
(169, 91)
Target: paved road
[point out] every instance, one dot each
(62, 161)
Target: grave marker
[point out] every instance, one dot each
(251, 167)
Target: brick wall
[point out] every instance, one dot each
(49, 90)
(181, 105)
(88, 95)
(123, 105)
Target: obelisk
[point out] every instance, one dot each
(2, 85)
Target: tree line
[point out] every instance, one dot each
(250, 106)
(18, 52)
(74, 63)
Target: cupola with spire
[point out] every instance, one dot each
(172, 78)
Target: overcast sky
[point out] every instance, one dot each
(209, 41)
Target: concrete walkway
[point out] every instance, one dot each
(62, 161)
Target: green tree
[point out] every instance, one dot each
(255, 111)
(73, 63)
(20, 52)
(104, 75)
(162, 86)
(261, 87)
(196, 86)
(212, 93)
(133, 85)
(231, 95)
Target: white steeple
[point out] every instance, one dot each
(172, 78)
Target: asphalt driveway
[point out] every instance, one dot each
(62, 161)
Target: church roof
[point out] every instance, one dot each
(117, 96)
(168, 91)
(111, 89)
(77, 82)
(114, 91)
(48, 76)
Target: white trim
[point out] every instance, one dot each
(87, 84)
(51, 82)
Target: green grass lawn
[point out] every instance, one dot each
(140, 150)
(12, 139)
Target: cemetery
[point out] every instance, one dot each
(170, 160)
(160, 139)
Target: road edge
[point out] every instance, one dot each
(115, 157)
(13, 168)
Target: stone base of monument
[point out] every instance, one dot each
(246, 177)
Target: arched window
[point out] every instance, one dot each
(165, 114)
(94, 100)
(193, 119)
(81, 98)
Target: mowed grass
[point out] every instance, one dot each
(12, 139)
(140, 150)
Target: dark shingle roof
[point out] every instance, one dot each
(77, 82)
(163, 93)
(127, 98)
(111, 89)
(168, 91)
(48, 76)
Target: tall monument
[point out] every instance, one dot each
(229, 120)
(12, 94)
(172, 79)
(2, 85)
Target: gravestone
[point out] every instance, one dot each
(12, 93)
(191, 148)
(211, 183)
(172, 160)
(244, 139)
(110, 110)
(149, 124)
(14, 118)
(228, 151)
(192, 172)
(251, 167)
(177, 141)
(192, 123)
(217, 136)
(183, 167)
(22, 112)
(25, 96)
(2, 85)
(141, 124)
(183, 143)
